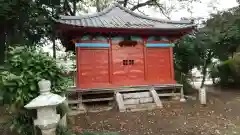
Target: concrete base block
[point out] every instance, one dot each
(182, 100)
(146, 100)
(141, 107)
(156, 98)
(131, 101)
(176, 98)
(136, 95)
(120, 103)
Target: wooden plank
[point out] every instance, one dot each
(78, 66)
(169, 94)
(97, 92)
(90, 100)
(98, 99)
(145, 59)
(171, 63)
(110, 63)
(167, 87)
(133, 89)
(111, 90)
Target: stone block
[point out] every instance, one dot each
(136, 95)
(119, 99)
(131, 101)
(156, 98)
(141, 107)
(146, 100)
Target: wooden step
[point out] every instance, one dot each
(168, 94)
(141, 107)
(97, 99)
(90, 100)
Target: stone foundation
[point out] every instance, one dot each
(138, 100)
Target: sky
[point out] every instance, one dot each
(202, 9)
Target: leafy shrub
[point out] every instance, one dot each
(64, 131)
(19, 83)
(67, 131)
(228, 72)
(184, 80)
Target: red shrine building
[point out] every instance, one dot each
(117, 47)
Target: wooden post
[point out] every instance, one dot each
(145, 58)
(80, 105)
(110, 62)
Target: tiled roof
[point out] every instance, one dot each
(117, 16)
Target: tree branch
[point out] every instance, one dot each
(74, 7)
(142, 12)
(147, 3)
(138, 8)
(98, 5)
(150, 3)
(161, 9)
(67, 8)
(125, 3)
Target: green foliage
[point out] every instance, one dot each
(229, 72)
(187, 55)
(219, 39)
(66, 131)
(223, 30)
(19, 83)
(184, 80)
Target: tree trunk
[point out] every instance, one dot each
(54, 46)
(74, 7)
(204, 70)
(98, 5)
(125, 3)
(204, 74)
(53, 38)
(2, 45)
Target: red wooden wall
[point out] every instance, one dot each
(159, 65)
(114, 66)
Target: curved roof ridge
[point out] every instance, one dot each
(103, 12)
(107, 10)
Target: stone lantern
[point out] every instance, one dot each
(45, 104)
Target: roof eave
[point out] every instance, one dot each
(153, 28)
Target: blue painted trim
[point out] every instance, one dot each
(159, 45)
(92, 45)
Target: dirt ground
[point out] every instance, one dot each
(220, 116)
